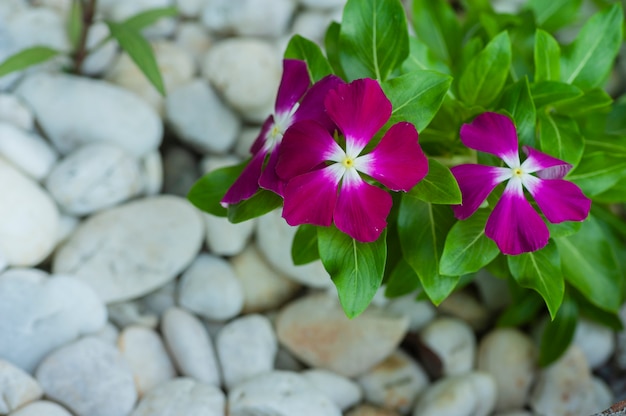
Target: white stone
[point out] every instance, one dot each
(200, 119)
(131, 313)
(40, 314)
(190, 346)
(224, 238)
(13, 111)
(603, 395)
(145, 353)
(151, 167)
(109, 334)
(344, 392)
(509, 356)
(369, 410)
(176, 67)
(94, 177)
(30, 219)
(190, 8)
(470, 394)
(122, 10)
(596, 341)
(41, 408)
(395, 383)
(466, 307)
(245, 141)
(274, 237)
(248, 17)
(565, 387)
(322, 4)
(210, 163)
(111, 115)
(246, 72)
(246, 347)
(194, 38)
(28, 152)
(263, 287)
(67, 225)
(132, 249)
(454, 343)
(418, 312)
(316, 330)
(39, 26)
(17, 388)
(101, 59)
(160, 300)
(312, 24)
(279, 393)
(180, 171)
(90, 377)
(492, 291)
(210, 288)
(182, 396)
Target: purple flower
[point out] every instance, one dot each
(325, 181)
(514, 224)
(295, 101)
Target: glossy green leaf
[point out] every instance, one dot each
(616, 119)
(422, 58)
(306, 50)
(593, 313)
(147, 18)
(593, 100)
(25, 58)
(75, 23)
(422, 228)
(563, 229)
(559, 137)
(139, 51)
(541, 271)
(416, 96)
(558, 334)
(356, 268)
(547, 57)
(331, 44)
(587, 62)
(304, 246)
(402, 281)
(517, 100)
(438, 187)
(485, 75)
(598, 171)
(209, 190)
(589, 264)
(522, 311)
(554, 14)
(260, 203)
(552, 92)
(467, 249)
(373, 39)
(436, 25)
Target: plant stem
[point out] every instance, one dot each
(89, 12)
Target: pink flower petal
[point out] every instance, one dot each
(269, 179)
(294, 83)
(360, 109)
(397, 161)
(310, 198)
(476, 183)
(493, 133)
(247, 183)
(263, 135)
(362, 208)
(312, 105)
(546, 166)
(559, 200)
(514, 225)
(304, 146)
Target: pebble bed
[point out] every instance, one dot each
(119, 298)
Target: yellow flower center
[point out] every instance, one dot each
(518, 172)
(348, 162)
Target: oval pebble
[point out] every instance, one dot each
(344, 392)
(28, 152)
(182, 396)
(41, 408)
(454, 343)
(17, 387)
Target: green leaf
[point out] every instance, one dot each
(467, 248)
(559, 137)
(402, 281)
(589, 311)
(438, 187)
(587, 62)
(373, 39)
(436, 25)
(146, 18)
(521, 311)
(260, 203)
(304, 246)
(139, 51)
(563, 229)
(416, 96)
(331, 44)
(25, 58)
(356, 268)
(486, 73)
(616, 119)
(541, 271)
(552, 92)
(517, 101)
(589, 264)
(421, 57)
(593, 100)
(598, 171)
(547, 57)
(75, 23)
(422, 228)
(304, 49)
(554, 14)
(559, 333)
(209, 190)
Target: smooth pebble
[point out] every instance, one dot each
(17, 388)
(182, 396)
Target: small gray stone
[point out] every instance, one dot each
(322, 4)
(210, 288)
(190, 8)
(152, 173)
(13, 111)
(17, 388)
(182, 396)
(193, 37)
(122, 10)
(179, 171)
(157, 302)
(190, 346)
(90, 377)
(246, 347)
(131, 313)
(109, 334)
(419, 313)
(41, 408)
(454, 343)
(344, 392)
(248, 18)
(279, 393)
(101, 58)
(465, 307)
(596, 341)
(26, 151)
(224, 238)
